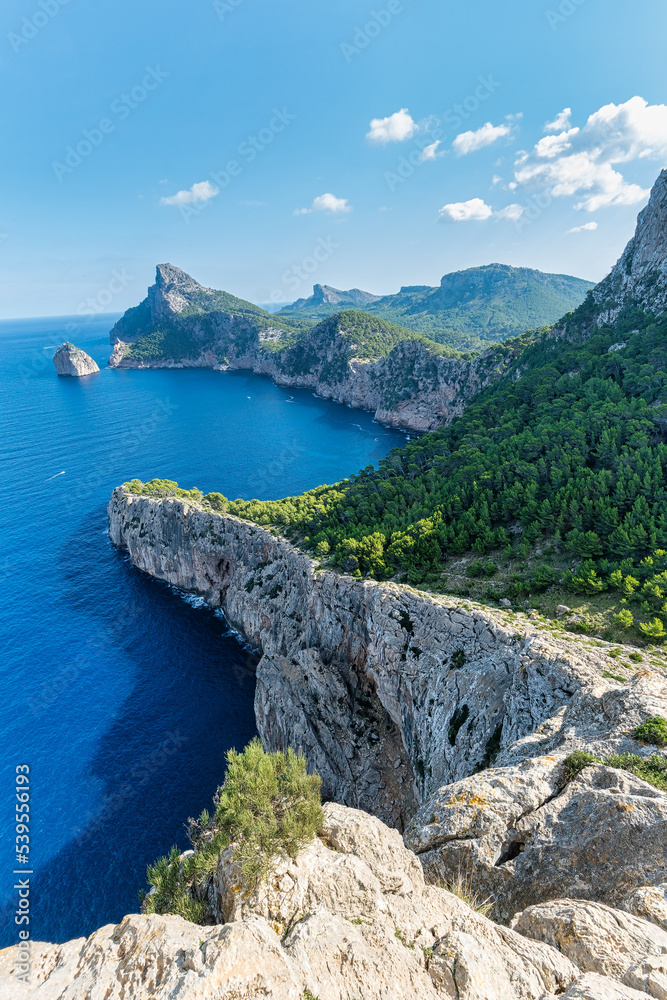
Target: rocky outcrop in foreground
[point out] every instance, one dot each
(351, 918)
(434, 714)
(71, 360)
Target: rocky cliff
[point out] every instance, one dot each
(352, 917)
(415, 386)
(403, 700)
(405, 380)
(71, 360)
(640, 276)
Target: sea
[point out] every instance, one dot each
(118, 693)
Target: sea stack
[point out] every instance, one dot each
(71, 360)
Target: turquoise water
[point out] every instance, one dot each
(121, 695)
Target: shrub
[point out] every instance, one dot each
(653, 629)
(624, 618)
(268, 807)
(172, 880)
(653, 731)
(651, 769)
(216, 501)
(577, 761)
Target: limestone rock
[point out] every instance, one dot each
(603, 834)
(71, 360)
(595, 937)
(640, 276)
(396, 697)
(595, 987)
(649, 902)
(350, 917)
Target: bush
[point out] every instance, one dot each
(653, 731)
(268, 807)
(624, 618)
(651, 769)
(577, 761)
(653, 629)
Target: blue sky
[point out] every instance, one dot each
(234, 139)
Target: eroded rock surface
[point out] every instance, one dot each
(640, 276)
(524, 834)
(597, 938)
(71, 360)
(351, 917)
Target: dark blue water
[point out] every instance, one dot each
(120, 695)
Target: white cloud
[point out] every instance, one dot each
(326, 203)
(465, 211)
(201, 192)
(394, 128)
(512, 212)
(476, 210)
(470, 142)
(560, 122)
(586, 228)
(431, 152)
(581, 161)
(496, 179)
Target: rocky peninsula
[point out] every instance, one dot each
(406, 380)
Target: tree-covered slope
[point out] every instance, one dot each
(565, 454)
(470, 309)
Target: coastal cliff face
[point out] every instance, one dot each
(403, 700)
(415, 385)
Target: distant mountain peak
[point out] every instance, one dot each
(326, 295)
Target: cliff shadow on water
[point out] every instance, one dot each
(184, 688)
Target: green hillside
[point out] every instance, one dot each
(470, 309)
(552, 479)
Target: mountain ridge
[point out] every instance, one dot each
(469, 309)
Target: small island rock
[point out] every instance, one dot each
(71, 360)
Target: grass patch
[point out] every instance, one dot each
(651, 769)
(461, 886)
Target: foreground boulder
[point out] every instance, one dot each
(524, 833)
(351, 917)
(600, 939)
(71, 360)
(522, 838)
